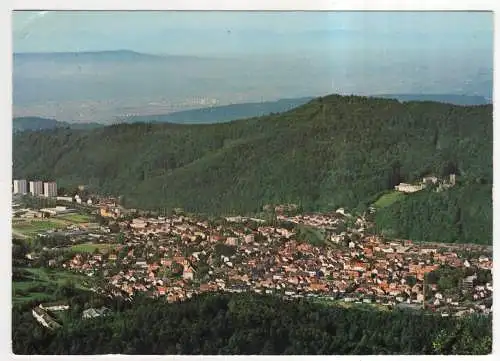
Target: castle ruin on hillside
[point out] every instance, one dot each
(412, 188)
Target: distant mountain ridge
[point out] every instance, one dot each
(219, 114)
(223, 113)
(20, 124)
(85, 55)
(98, 86)
(455, 99)
(106, 55)
(227, 113)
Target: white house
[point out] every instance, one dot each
(408, 188)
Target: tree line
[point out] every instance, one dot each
(252, 325)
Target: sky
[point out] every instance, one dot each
(265, 56)
(236, 33)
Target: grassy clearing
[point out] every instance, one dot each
(41, 283)
(35, 224)
(76, 218)
(52, 276)
(388, 199)
(32, 227)
(90, 247)
(28, 228)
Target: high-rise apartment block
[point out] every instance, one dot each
(36, 188)
(20, 186)
(50, 189)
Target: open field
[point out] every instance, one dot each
(28, 228)
(53, 276)
(76, 218)
(32, 227)
(40, 283)
(38, 223)
(90, 247)
(388, 199)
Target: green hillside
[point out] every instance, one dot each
(388, 199)
(333, 151)
(462, 214)
(442, 98)
(21, 124)
(246, 324)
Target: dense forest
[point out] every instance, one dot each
(335, 151)
(442, 98)
(21, 124)
(254, 324)
(461, 214)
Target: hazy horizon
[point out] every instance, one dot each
(243, 57)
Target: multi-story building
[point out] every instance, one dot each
(20, 186)
(50, 189)
(409, 188)
(36, 188)
(453, 179)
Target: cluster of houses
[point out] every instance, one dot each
(46, 314)
(109, 208)
(441, 184)
(178, 256)
(44, 318)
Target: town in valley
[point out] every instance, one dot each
(333, 257)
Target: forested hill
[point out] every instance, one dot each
(21, 124)
(219, 114)
(247, 324)
(333, 151)
(442, 98)
(226, 113)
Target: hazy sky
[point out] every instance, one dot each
(226, 33)
(271, 55)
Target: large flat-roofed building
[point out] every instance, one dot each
(66, 199)
(58, 210)
(409, 188)
(50, 189)
(36, 188)
(20, 186)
